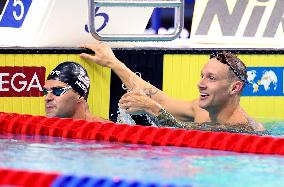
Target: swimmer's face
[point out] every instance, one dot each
(214, 86)
(63, 105)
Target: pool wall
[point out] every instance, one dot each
(176, 71)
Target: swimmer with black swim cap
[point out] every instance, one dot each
(66, 92)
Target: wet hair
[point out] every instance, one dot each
(74, 75)
(237, 68)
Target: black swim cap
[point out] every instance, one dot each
(74, 75)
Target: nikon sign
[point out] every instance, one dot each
(256, 22)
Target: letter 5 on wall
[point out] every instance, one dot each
(61, 23)
(14, 12)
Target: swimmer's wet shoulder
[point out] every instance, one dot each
(165, 119)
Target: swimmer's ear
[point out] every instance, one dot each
(236, 87)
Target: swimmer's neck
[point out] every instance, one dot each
(87, 116)
(82, 116)
(82, 112)
(224, 114)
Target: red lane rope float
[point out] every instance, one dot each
(80, 129)
(25, 178)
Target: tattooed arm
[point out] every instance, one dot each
(150, 91)
(165, 119)
(137, 102)
(104, 56)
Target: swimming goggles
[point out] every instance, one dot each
(223, 59)
(57, 91)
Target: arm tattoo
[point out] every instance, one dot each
(150, 91)
(165, 119)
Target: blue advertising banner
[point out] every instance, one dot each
(13, 12)
(264, 81)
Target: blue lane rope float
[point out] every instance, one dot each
(34, 179)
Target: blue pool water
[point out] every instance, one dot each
(164, 165)
(275, 128)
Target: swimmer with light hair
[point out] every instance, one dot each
(66, 93)
(221, 83)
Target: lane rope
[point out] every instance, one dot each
(80, 129)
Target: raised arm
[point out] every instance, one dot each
(105, 57)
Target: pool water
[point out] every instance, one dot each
(275, 128)
(159, 164)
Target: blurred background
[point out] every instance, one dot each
(162, 19)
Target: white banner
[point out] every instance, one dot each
(63, 23)
(253, 23)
